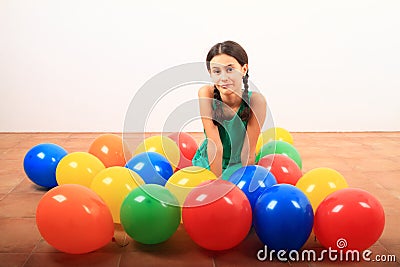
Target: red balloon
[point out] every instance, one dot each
(74, 219)
(111, 150)
(187, 147)
(349, 219)
(285, 170)
(217, 215)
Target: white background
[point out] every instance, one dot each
(74, 66)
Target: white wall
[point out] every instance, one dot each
(75, 65)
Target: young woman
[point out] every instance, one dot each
(232, 116)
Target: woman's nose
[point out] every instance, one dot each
(224, 76)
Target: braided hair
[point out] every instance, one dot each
(234, 50)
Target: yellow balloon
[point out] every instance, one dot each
(78, 168)
(272, 134)
(162, 145)
(318, 183)
(113, 184)
(184, 180)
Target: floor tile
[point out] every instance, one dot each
(27, 186)
(337, 164)
(112, 247)
(390, 180)
(18, 205)
(178, 242)
(14, 154)
(12, 139)
(43, 247)
(312, 242)
(160, 258)
(376, 164)
(176, 251)
(245, 254)
(7, 144)
(8, 182)
(27, 144)
(370, 135)
(12, 167)
(18, 235)
(81, 136)
(62, 259)
(356, 178)
(394, 250)
(13, 259)
(57, 135)
(391, 234)
(79, 145)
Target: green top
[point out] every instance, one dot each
(232, 133)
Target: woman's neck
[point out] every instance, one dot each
(232, 100)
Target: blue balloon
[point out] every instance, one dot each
(283, 217)
(153, 167)
(253, 180)
(40, 163)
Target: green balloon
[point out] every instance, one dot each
(280, 147)
(150, 214)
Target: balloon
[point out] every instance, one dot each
(273, 134)
(187, 148)
(253, 180)
(284, 169)
(110, 149)
(150, 214)
(162, 145)
(113, 184)
(349, 219)
(283, 217)
(78, 168)
(280, 147)
(74, 219)
(318, 183)
(217, 215)
(184, 180)
(152, 167)
(41, 161)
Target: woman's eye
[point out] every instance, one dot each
(216, 71)
(229, 69)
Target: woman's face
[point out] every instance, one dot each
(227, 74)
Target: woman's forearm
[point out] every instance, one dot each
(215, 158)
(247, 157)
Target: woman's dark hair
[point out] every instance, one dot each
(234, 50)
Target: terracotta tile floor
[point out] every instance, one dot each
(370, 161)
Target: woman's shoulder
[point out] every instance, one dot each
(257, 98)
(206, 91)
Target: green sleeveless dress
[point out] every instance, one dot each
(232, 133)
